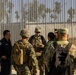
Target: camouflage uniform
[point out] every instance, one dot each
(51, 39)
(38, 41)
(47, 54)
(29, 61)
(63, 43)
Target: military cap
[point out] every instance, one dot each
(25, 32)
(63, 31)
(55, 30)
(38, 29)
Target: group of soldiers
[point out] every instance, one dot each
(35, 45)
(36, 56)
(41, 53)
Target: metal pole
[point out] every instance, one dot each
(64, 13)
(21, 14)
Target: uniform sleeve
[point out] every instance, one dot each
(43, 40)
(30, 39)
(43, 53)
(72, 51)
(33, 58)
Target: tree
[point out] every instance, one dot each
(2, 10)
(57, 8)
(10, 5)
(51, 16)
(33, 11)
(43, 16)
(36, 11)
(5, 8)
(17, 15)
(68, 20)
(55, 17)
(71, 13)
(24, 13)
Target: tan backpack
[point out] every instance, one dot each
(21, 53)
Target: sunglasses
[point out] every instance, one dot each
(37, 32)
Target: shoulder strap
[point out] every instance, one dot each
(68, 46)
(43, 39)
(22, 45)
(31, 38)
(17, 46)
(55, 44)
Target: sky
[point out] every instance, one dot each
(49, 4)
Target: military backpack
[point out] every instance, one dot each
(61, 63)
(21, 53)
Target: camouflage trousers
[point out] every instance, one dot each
(42, 70)
(22, 70)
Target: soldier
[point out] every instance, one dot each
(5, 53)
(63, 61)
(23, 55)
(38, 43)
(51, 38)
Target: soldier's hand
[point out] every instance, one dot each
(41, 46)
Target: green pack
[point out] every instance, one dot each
(37, 41)
(20, 53)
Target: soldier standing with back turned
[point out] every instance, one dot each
(63, 61)
(23, 55)
(38, 43)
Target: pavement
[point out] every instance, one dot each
(13, 72)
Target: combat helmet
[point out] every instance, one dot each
(25, 32)
(63, 31)
(38, 29)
